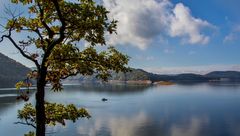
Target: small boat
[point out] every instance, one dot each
(104, 99)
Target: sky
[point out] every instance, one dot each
(171, 36)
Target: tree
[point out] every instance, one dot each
(54, 28)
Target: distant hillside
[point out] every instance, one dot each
(135, 74)
(139, 74)
(11, 71)
(183, 78)
(230, 75)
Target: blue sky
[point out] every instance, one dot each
(173, 36)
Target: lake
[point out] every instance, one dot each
(207, 109)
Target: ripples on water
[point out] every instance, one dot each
(178, 110)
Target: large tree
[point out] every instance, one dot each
(53, 31)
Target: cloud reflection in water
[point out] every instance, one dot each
(117, 126)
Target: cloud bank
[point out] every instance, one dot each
(142, 21)
(193, 69)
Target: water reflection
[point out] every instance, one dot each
(117, 126)
(235, 130)
(143, 125)
(116, 89)
(178, 110)
(8, 97)
(193, 128)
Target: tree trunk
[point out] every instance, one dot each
(40, 109)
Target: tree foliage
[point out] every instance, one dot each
(55, 28)
(55, 113)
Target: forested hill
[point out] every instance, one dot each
(11, 71)
(139, 74)
(232, 75)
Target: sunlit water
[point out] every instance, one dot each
(177, 110)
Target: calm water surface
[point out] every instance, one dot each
(178, 110)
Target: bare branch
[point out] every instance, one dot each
(34, 30)
(2, 37)
(15, 44)
(12, 13)
(26, 123)
(39, 34)
(2, 26)
(22, 52)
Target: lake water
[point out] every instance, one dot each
(177, 110)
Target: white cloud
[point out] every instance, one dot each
(142, 21)
(233, 35)
(139, 20)
(183, 24)
(230, 37)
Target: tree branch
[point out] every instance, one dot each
(61, 31)
(26, 123)
(2, 37)
(23, 53)
(50, 32)
(17, 47)
(69, 75)
(61, 18)
(34, 30)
